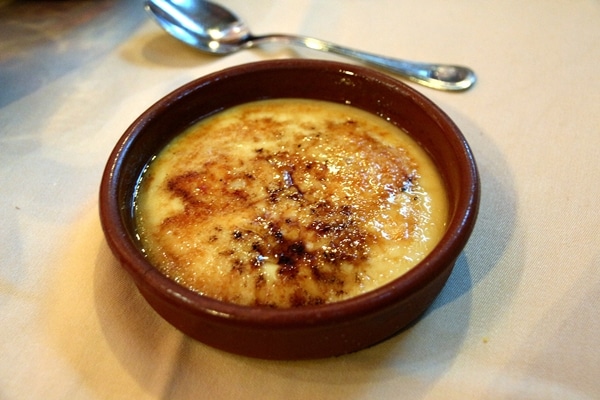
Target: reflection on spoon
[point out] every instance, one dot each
(214, 29)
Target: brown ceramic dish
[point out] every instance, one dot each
(311, 331)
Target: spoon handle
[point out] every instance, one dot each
(437, 76)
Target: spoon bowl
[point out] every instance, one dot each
(212, 28)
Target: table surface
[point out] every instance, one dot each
(519, 317)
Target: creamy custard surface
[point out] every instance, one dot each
(286, 203)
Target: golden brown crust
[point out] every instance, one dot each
(290, 212)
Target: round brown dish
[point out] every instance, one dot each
(308, 331)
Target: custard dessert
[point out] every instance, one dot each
(289, 202)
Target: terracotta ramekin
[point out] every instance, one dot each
(311, 331)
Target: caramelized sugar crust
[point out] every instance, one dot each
(287, 203)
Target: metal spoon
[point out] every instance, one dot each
(214, 29)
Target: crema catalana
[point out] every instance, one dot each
(289, 202)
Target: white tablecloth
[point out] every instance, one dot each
(519, 317)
